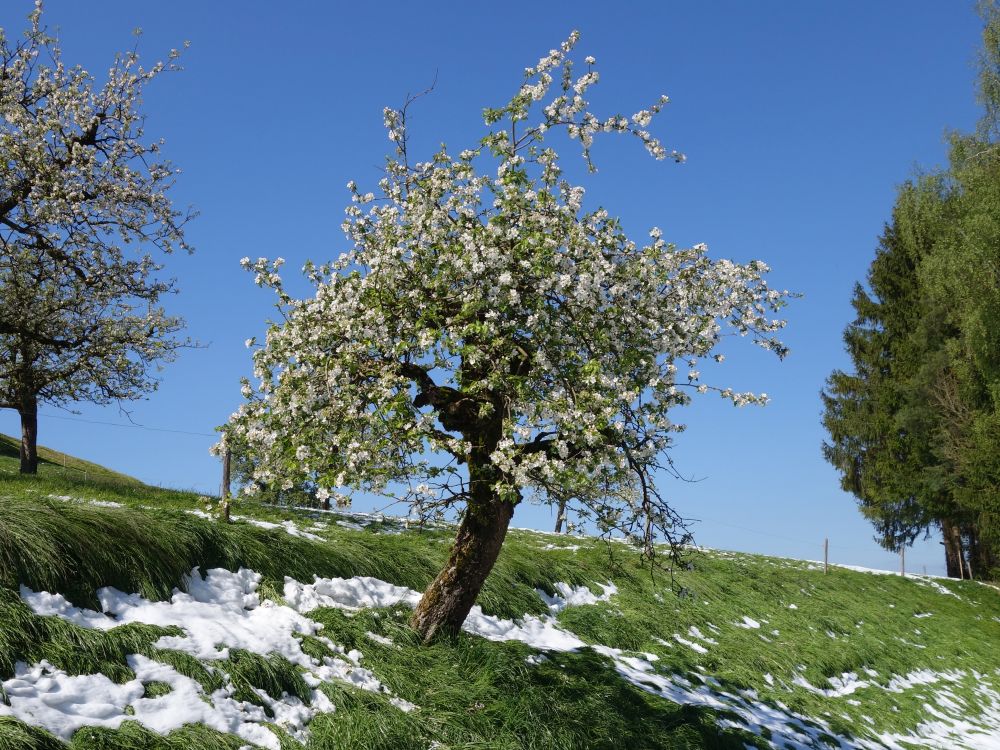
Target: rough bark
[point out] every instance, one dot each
(981, 559)
(450, 596)
(447, 601)
(952, 549)
(28, 409)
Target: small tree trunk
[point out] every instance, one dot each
(447, 601)
(981, 560)
(224, 492)
(561, 515)
(952, 549)
(28, 409)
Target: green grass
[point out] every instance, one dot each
(55, 463)
(471, 692)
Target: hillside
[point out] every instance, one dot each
(129, 618)
(55, 463)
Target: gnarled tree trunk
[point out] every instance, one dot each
(28, 409)
(447, 601)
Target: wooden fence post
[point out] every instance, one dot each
(902, 560)
(826, 555)
(226, 458)
(961, 554)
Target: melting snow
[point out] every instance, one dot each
(287, 526)
(220, 612)
(223, 611)
(567, 596)
(690, 644)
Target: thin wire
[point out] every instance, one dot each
(807, 542)
(120, 424)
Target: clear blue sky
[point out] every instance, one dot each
(799, 119)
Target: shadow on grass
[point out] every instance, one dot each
(472, 692)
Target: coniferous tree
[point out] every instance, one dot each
(880, 419)
(915, 429)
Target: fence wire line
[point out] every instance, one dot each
(132, 424)
(805, 542)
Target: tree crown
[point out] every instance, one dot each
(481, 315)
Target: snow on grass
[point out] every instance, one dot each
(223, 611)
(923, 580)
(695, 633)
(219, 612)
(690, 644)
(950, 729)
(379, 638)
(346, 593)
(784, 727)
(48, 697)
(567, 595)
(846, 684)
(287, 526)
(98, 503)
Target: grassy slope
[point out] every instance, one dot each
(474, 692)
(55, 463)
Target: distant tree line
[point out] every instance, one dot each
(915, 429)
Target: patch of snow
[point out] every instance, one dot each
(98, 503)
(542, 633)
(402, 705)
(571, 596)
(845, 684)
(690, 644)
(748, 623)
(288, 526)
(346, 593)
(695, 633)
(45, 696)
(379, 638)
